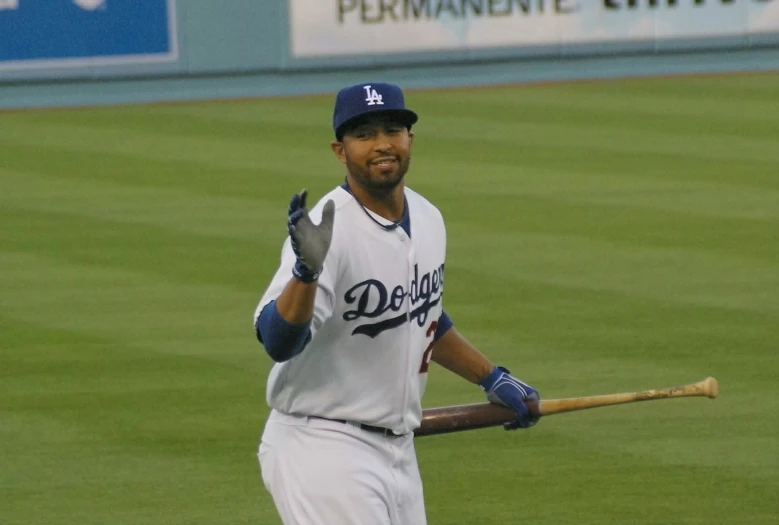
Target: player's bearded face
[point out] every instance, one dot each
(378, 154)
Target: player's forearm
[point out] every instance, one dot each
(283, 326)
(296, 302)
(456, 354)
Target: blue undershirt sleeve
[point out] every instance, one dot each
(444, 324)
(282, 340)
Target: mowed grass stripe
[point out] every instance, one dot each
(616, 323)
(129, 306)
(739, 90)
(671, 274)
(173, 210)
(149, 249)
(244, 152)
(708, 200)
(127, 171)
(475, 161)
(594, 138)
(271, 119)
(672, 107)
(636, 225)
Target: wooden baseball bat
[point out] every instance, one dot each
(444, 420)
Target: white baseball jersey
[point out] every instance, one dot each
(375, 316)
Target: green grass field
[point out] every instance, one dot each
(603, 237)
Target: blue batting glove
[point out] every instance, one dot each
(504, 389)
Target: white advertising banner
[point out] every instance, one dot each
(375, 27)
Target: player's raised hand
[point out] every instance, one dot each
(310, 242)
(504, 389)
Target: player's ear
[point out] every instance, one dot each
(338, 149)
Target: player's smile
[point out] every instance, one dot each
(385, 162)
(388, 170)
(386, 166)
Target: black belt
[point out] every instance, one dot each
(368, 428)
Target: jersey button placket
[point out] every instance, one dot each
(411, 252)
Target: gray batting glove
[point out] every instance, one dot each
(310, 242)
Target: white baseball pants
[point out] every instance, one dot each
(322, 472)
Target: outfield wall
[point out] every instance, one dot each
(62, 52)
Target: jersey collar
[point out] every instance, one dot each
(404, 222)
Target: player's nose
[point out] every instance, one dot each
(382, 142)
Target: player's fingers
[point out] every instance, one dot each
(534, 407)
(522, 422)
(297, 201)
(303, 194)
(296, 215)
(524, 418)
(328, 215)
(512, 425)
(294, 204)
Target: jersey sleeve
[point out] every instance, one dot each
(444, 324)
(324, 303)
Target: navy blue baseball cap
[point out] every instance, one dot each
(361, 99)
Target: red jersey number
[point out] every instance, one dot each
(428, 355)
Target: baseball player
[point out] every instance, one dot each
(352, 319)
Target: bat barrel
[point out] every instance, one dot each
(707, 387)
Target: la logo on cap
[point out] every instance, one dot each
(373, 98)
